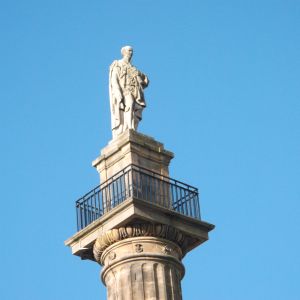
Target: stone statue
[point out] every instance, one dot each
(126, 92)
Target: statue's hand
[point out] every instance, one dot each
(146, 81)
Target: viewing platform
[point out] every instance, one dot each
(143, 185)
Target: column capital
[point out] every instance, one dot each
(161, 231)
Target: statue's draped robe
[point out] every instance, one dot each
(125, 81)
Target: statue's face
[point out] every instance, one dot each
(127, 53)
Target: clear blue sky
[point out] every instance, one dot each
(224, 96)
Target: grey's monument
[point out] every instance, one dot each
(138, 223)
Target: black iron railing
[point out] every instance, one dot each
(134, 181)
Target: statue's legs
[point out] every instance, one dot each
(132, 113)
(117, 117)
(129, 112)
(137, 115)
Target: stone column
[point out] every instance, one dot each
(141, 262)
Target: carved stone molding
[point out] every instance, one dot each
(112, 255)
(137, 230)
(139, 248)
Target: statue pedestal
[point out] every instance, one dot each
(140, 240)
(132, 148)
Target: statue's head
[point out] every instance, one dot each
(127, 52)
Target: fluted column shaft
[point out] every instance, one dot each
(142, 268)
